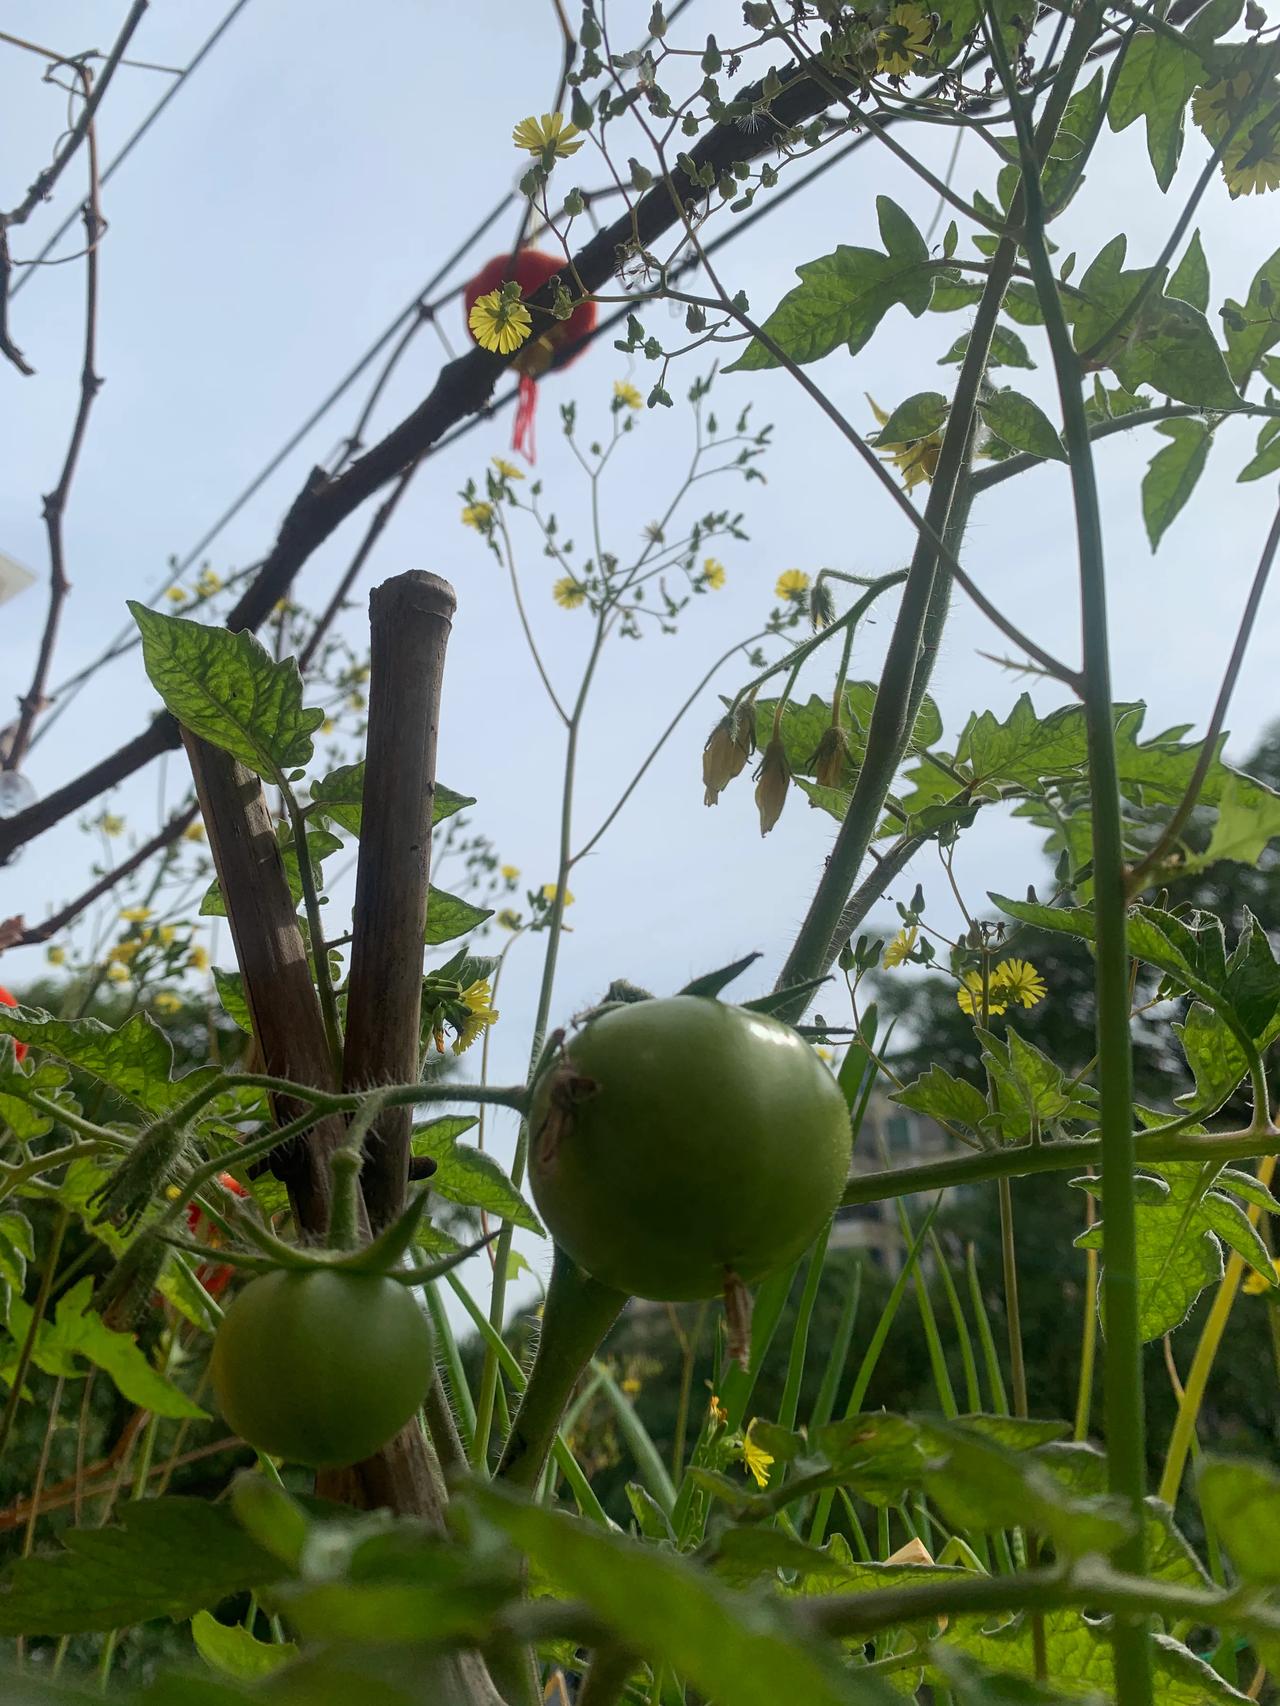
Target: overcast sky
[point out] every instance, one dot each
(300, 190)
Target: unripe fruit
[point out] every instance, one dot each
(680, 1140)
(321, 1367)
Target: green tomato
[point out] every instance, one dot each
(321, 1367)
(677, 1139)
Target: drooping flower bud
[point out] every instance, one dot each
(725, 755)
(831, 759)
(822, 606)
(772, 781)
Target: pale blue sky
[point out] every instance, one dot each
(297, 194)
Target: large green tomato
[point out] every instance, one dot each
(674, 1140)
(321, 1367)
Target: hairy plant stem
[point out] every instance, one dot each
(1122, 1354)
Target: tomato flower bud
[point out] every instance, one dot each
(831, 759)
(772, 781)
(725, 755)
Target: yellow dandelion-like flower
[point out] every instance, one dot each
(901, 948)
(507, 470)
(165, 1001)
(479, 516)
(123, 952)
(550, 891)
(1251, 163)
(207, 583)
(713, 574)
(1256, 1284)
(194, 831)
(792, 585)
(500, 322)
(110, 824)
(136, 914)
(1018, 980)
(478, 1000)
(508, 918)
(826, 1055)
(904, 37)
(626, 396)
(719, 1415)
(969, 996)
(569, 593)
(165, 934)
(327, 726)
(355, 701)
(509, 872)
(118, 973)
(198, 958)
(757, 1459)
(175, 595)
(631, 1385)
(552, 131)
(55, 955)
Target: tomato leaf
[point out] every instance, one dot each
(942, 1097)
(448, 915)
(1190, 280)
(232, 1650)
(1172, 475)
(229, 690)
(1022, 424)
(1241, 1500)
(469, 1176)
(340, 796)
(134, 1060)
(1155, 82)
(1253, 326)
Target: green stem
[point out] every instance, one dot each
(1088, 1337)
(1122, 1356)
(18, 1378)
(579, 1311)
(800, 1336)
(315, 925)
(986, 1338)
(1012, 1306)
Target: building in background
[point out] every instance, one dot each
(890, 1136)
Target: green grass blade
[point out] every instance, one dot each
(973, 1391)
(990, 1356)
(455, 1377)
(649, 1465)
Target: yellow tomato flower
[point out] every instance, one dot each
(792, 585)
(551, 131)
(713, 574)
(757, 1459)
(550, 891)
(123, 952)
(901, 947)
(194, 831)
(478, 1000)
(631, 1385)
(509, 872)
(118, 974)
(198, 958)
(1255, 1283)
(915, 459)
(165, 933)
(207, 583)
(507, 470)
(969, 996)
(498, 323)
(1018, 980)
(110, 824)
(626, 396)
(904, 37)
(55, 955)
(136, 914)
(175, 595)
(1251, 163)
(479, 516)
(165, 1001)
(569, 593)
(327, 726)
(508, 918)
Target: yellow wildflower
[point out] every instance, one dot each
(569, 593)
(55, 955)
(631, 1385)
(165, 934)
(626, 396)
(478, 1000)
(905, 35)
(757, 1459)
(792, 585)
(328, 726)
(198, 958)
(901, 948)
(1251, 163)
(916, 459)
(1018, 980)
(136, 914)
(118, 974)
(509, 873)
(713, 574)
(969, 996)
(110, 824)
(552, 131)
(500, 322)
(1255, 1283)
(509, 918)
(123, 952)
(165, 1001)
(207, 583)
(175, 595)
(355, 701)
(479, 516)
(550, 891)
(194, 831)
(507, 470)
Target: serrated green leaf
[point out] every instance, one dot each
(44, 1077)
(230, 988)
(134, 1060)
(17, 1248)
(1062, 176)
(340, 796)
(942, 1097)
(1217, 1061)
(916, 418)
(1267, 459)
(1169, 1558)
(1031, 1091)
(1190, 279)
(1253, 326)
(170, 1557)
(1155, 82)
(842, 298)
(1240, 1500)
(449, 916)
(735, 1648)
(232, 1650)
(1248, 821)
(1022, 424)
(1007, 350)
(1172, 474)
(469, 1176)
(78, 1333)
(802, 726)
(227, 689)
(1025, 749)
